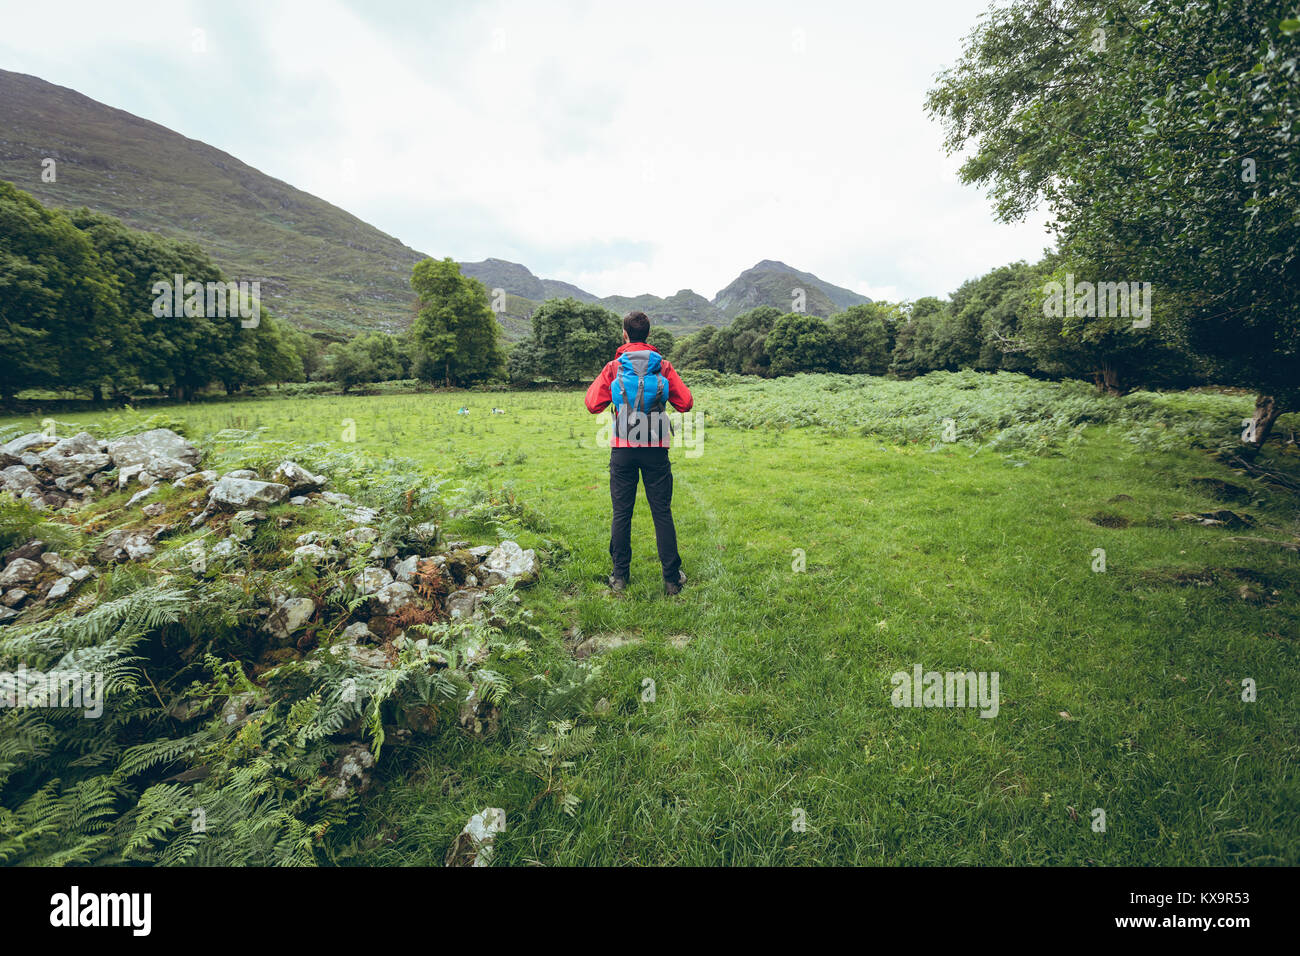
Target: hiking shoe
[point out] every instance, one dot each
(675, 587)
(616, 584)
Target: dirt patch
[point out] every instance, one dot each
(1107, 519)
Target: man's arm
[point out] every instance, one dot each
(679, 396)
(598, 397)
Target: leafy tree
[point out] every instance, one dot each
(59, 308)
(663, 339)
(455, 337)
(799, 343)
(863, 338)
(570, 342)
(1162, 139)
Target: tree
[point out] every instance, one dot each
(863, 338)
(799, 343)
(1162, 139)
(59, 308)
(570, 341)
(455, 337)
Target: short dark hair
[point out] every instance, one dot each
(637, 326)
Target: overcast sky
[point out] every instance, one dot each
(626, 148)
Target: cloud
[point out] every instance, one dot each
(624, 149)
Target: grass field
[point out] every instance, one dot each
(770, 701)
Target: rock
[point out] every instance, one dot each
(360, 631)
(476, 843)
(350, 770)
(232, 494)
(360, 536)
(124, 475)
(299, 500)
(600, 643)
(7, 614)
(169, 469)
(392, 597)
(361, 656)
(141, 495)
(298, 478)
(373, 580)
(125, 545)
(239, 707)
(79, 456)
(1223, 518)
(289, 615)
(425, 531)
(82, 573)
(382, 552)
(146, 479)
(68, 482)
(148, 447)
(31, 550)
(316, 554)
(13, 597)
(363, 516)
(60, 589)
(17, 479)
(248, 516)
(463, 603)
(154, 510)
(481, 551)
(195, 479)
(11, 452)
(225, 548)
(244, 474)
(19, 571)
(404, 570)
(52, 559)
(310, 537)
(337, 498)
(509, 563)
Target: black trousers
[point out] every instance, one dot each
(651, 464)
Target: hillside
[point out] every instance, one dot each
(320, 267)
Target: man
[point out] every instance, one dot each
(638, 383)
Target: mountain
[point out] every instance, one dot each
(320, 267)
(774, 283)
(768, 282)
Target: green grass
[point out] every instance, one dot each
(917, 552)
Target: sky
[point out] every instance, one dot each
(623, 147)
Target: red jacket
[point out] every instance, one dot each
(598, 396)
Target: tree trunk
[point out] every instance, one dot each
(1267, 411)
(1106, 379)
(97, 394)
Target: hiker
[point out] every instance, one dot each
(639, 384)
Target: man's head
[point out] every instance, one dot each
(636, 327)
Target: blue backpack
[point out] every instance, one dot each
(639, 394)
